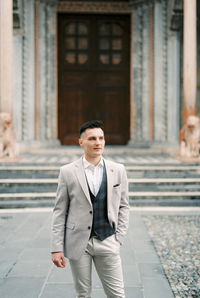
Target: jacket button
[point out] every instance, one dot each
(89, 228)
(90, 212)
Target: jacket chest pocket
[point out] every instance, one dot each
(117, 188)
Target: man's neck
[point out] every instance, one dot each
(94, 160)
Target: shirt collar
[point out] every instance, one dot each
(87, 164)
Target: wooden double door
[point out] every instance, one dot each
(94, 75)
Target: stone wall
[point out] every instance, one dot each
(155, 74)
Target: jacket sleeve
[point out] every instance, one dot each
(123, 215)
(59, 215)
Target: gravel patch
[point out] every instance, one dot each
(177, 242)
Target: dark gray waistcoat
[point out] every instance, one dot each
(101, 226)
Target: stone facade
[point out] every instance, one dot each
(155, 69)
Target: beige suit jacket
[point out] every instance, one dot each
(73, 212)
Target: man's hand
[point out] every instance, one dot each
(58, 259)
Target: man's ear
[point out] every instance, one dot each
(80, 141)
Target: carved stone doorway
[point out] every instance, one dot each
(94, 75)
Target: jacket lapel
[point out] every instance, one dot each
(110, 179)
(80, 173)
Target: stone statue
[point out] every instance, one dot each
(190, 138)
(7, 137)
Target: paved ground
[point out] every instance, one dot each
(26, 269)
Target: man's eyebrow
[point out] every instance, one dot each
(91, 137)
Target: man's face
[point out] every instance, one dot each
(92, 140)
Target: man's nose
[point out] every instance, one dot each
(98, 141)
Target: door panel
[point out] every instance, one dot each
(93, 75)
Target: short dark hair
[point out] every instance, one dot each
(91, 124)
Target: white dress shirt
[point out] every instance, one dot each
(94, 175)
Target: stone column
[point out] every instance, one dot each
(37, 94)
(160, 71)
(28, 74)
(47, 72)
(173, 87)
(190, 58)
(6, 55)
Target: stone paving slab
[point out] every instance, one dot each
(18, 287)
(26, 269)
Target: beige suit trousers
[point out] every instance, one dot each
(106, 257)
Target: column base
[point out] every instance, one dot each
(139, 144)
(25, 146)
(155, 146)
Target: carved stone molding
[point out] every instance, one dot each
(141, 72)
(137, 70)
(28, 95)
(94, 7)
(24, 130)
(49, 2)
(160, 71)
(16, 15)
(140, 2)
(165, 70)
(175, 15)
(50, 102)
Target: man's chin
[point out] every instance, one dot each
(98, 153)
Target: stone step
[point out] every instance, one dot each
(26, 203)
(170, 201)
(163, 171)
(164, 184)
(163, 180)
(133, 195)
(29, 172)
(168, 194)
(150, 183)
(26, 200)
(128, 166)
(132, 172)
(49, 172)
(27, 185)
(27, 196)
(140, 184)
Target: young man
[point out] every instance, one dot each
(90, 217)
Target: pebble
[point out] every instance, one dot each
(177, 242)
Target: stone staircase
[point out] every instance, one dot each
(171, 184)
(154, 179)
